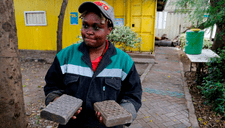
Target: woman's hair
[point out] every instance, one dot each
(99, 13)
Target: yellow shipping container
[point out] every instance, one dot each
(37, 22)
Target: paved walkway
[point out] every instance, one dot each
(163, 101)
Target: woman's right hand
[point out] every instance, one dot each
(78, 111)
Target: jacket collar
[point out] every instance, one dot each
(106, 59)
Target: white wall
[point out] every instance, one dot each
(171, 24)
(207, 33)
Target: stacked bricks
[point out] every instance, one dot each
(62, 109)
(113, 114)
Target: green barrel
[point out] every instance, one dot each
(194, 42)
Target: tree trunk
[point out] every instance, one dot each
(12, 112)
(60, 25)
(219, 41)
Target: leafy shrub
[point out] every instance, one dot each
(80, 39)
(122, 36)
(182, 39)
(125, 38)
(213, 88)
(207, 44)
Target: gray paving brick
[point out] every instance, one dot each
(158, 109)
(154, 103)
(176, 121)
(149, 105)
(171, 106)
(186, 119)
(170, 114)
(180, 117)
(140, 121)
(181, 108)
(112, 113)
(173, 118)
(184, 113)
(135, 126)
(170, 123)
(161, 126)
(180, 126)
(185, 122)
(143, 110)
(159, 118)
(167, 110)
(151, 111)
(165, 118)
(180, 102)
(145, 125)
(175, 104)
(146, 119)
(62, 109)
(162, 112)
(164, 105)
(175, 111)
(170, 127)
(134, 122)
(139, 116)
(156, 121)
(153, 125)
(155, 115)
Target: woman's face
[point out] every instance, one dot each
(93, 32)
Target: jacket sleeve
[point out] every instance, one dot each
(131, 92)
(54, 82)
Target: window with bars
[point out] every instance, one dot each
(35, 18)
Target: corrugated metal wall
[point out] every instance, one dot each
(170, 23)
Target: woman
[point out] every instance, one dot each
(94, 70)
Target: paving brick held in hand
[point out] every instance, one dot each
(62, 109)
(112, 113)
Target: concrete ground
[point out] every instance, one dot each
(166, 102)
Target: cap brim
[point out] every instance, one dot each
(86, 5)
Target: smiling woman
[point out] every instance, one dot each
(94, 70)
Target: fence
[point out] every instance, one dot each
(171, 24)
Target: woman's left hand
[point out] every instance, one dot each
(99, 116)
(78, 111)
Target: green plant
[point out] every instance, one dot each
(182, 39)
(207, 44)
(122, 36)
(80, 39)
(38, 119)
(125, 38)
(213, 88)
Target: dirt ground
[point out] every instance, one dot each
(34, 66)
(205, 116)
